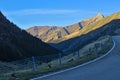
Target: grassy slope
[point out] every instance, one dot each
(51, 33)
(91, 27)
(67, 62)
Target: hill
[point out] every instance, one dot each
(112, 28)
(16, 43)
(90, 27)
(51, 33)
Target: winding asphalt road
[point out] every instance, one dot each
(107, 68)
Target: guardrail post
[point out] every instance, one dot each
(60, 61)
(33, 63)
(78, 54)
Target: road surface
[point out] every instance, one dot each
(107, 68)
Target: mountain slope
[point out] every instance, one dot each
(91, 27)
(111, 28)
(17, 44)
(82, 24)
(50, 33)
(47, 33)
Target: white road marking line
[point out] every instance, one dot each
(78, 65)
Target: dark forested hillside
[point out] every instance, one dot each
(17, 44)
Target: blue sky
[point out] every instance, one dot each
(27, 13)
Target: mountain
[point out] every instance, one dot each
(51, 33)
(47, 33)
(16, 43)
(90, 27)
(106, 26)
(76, 37)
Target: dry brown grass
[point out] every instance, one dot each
(91, 27)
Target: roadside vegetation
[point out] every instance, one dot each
(87, 53)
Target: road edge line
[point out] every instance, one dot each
(78, 65)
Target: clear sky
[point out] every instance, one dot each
(27, 13)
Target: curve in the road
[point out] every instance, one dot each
(106, 67)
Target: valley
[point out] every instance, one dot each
(41, 50)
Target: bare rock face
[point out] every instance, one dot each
(18, 44)
(92, 20)
(51, 33)
(80, 25)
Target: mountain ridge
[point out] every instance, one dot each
(16, 43)
(106, 26)
(50, 33)
(91, 27)
(76, 43)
